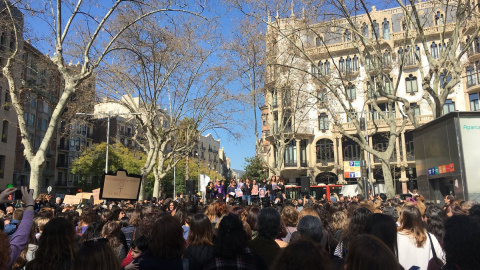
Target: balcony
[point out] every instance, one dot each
(380, 123)
(63, 165)
(428, 31)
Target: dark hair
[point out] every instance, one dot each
(384, 228)
(136, 217)
(93, 231)
(268, 223)
(391, 211)
(231, 237)
(201, 231)
(455, 209)
(124, 222)
(301, 255)
(181, 215)
(252, 216)
(474, 210)
(356, 225)
(96, 254)
(435, 223)
(166, 241)
(146, 224)
(140, 242)
(56, 246)
(310, 227)
(111, 231)
(367, 252)
(461, 243)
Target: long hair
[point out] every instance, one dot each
(4, 250)
(339, 221)
(367, 252)
(252, 217)
(201, 231)
(56, 246)
(411, 223)
(21, 261)
(300, 255)
(136, 217)
(356, 225)
(111, 231)
(461, 243)
(146, 226)
(435, 221)
(166, 239)
(383, 227)
(231, 238)
(96, 254)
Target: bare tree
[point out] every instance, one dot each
(78, 31)
(169, 76)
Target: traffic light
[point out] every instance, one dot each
(79, 190)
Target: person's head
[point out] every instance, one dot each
(58, 238)
(4, 250)
(310, 228)
(339, 221)
(121, 214)
(111, 229)
(367, 252)
(40, 222)
(146, 226)
(136, 217)
(18, 214)
(448, 199)
(300, 255)
(58, 200)
(231, 237)
(138, 246)
(254, 182)
(411, 223)
(268, 223)
(391, 211)
(461, 243)
(434, 219)
(96, 254)
(181, 215)
(166, 240)
(93, 231)
(356, 225)
(289, 216)
(172, 206)
(454, 209)
(384, 228)
(201, 231)
(220, 209)
(252, 216)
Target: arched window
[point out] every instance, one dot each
(355, 63)
(314, 71)
(347, 36)
(323, 122)
(445, 78)
(324, 149)
(350, 92)
(411, 84)
(365, 30)
(349, 65)
(4, 131)
(318, 41)
(439, 18)
(320, 68)
(327, 68)
(434, 49)
(376, 29)
(341, 64)
(387, 59)
(386, 29)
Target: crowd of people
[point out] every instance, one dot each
(225, 233)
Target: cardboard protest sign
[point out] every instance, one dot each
(71, 199)
(120, 186)
(96, 196)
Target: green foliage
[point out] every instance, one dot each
(255, 168)
(91, 164)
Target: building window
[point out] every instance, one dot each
(445, 78)
(387, 59)
(341, 64)
(434, 49)
(322, 96)
(386, 29)
(448, 106)
(274, 98)
(473, 102)
(355, 63)
(31, 120)
(303, 153)
(324, 149)
(320, 69)
(350, 92)
(376, 29)
(7, 103)
(388, 85)
(415, 109)
(323, 122)
(318, 41)
(472, 73)
(349, 65)
(2, 166)
(315, 71)
(365, 30)
(411, 84)
(327, 68)
(291, 154)
(439, 18)
(4, 131)
(351, 115)
(347, 36)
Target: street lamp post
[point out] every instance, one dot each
(109, 114)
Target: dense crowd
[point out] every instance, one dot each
(235, 230)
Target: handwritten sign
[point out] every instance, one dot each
(96, 196)
(120, 186)
(71, 199)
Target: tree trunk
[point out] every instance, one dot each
(143, 180)
(156, 185)
(387, 176)
(35, 179)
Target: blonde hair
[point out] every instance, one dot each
(339, 221)
(307, 212)
(40, 223)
